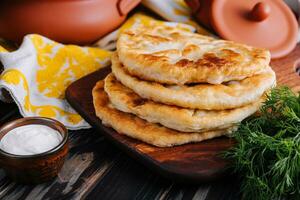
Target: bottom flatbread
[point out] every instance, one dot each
(132, 126)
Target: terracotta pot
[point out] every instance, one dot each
(67, 21)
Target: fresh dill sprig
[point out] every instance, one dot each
(267, 154)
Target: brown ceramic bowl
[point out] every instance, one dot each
(36, 168)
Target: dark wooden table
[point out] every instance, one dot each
(96, 169)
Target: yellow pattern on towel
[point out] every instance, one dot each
(38, 73)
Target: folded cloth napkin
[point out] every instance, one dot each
(37, 74)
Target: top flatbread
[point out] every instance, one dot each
(140, 129)
(172, 56)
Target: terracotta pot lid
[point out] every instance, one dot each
(267, 23)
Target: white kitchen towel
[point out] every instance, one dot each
(38, 73)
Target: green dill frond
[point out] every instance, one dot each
(267, 154)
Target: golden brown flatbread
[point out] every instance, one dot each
(140, 129)
(174, 117)
(173, 56)
(198, 96)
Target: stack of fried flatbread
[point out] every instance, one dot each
(170, 87)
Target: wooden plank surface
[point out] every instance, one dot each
(96, 169)
(286, 69)
(195, 162)
(191, 162)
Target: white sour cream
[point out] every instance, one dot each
(30, 140)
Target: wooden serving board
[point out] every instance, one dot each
(196, 162)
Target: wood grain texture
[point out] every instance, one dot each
(195, 162)
(191, 162)
(96, 169)
(88, 161)
(286, 67)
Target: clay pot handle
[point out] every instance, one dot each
(260, 12)
(125, 6)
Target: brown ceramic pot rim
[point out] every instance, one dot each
(40, 121)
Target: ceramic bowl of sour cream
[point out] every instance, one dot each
(33, 149)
